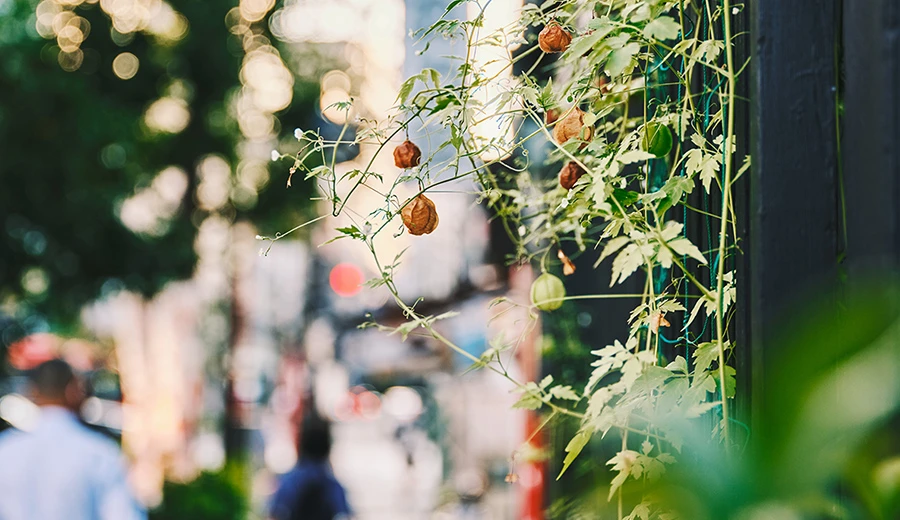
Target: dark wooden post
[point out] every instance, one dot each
(792, 245)
(871, 135)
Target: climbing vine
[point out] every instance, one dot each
(638, 114)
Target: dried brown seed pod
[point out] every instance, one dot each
(569, 174)
(568, 266)
(657, 320)
(550, 116)
(572, 125)
(554, 38)
(407, 155)
(420, 216)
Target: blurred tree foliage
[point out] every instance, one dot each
(74, 146)
(211, 496)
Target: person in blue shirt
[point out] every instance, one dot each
(310, 491)
(60, 469)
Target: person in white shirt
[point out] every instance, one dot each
(61, 470)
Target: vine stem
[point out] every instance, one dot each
(723, 229)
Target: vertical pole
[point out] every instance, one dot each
(871, 135)
(792, 244)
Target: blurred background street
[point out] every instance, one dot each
(141, 159)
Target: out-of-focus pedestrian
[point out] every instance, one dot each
(310, 491)
(61, 470)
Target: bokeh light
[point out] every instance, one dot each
(345, 279)
(126, 65)
(167, 114)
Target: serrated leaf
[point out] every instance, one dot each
(625, 264)
(704, 356)
(694, 161)
(574, 447)
(640, 512)
(352, 232)
(621, 59)
(634, 156)
(677, 187)
(666, 458)
(683, 246)
(699, 409)
(452, 5)
(612, 246)
(664, 257)
(564, 392)
(646, 447)
(662, 29)
(583, 44)
(406, 89)
(679, 365)
(624, 463)
(708, 50)
(547, 381)
(406, 328)
(528, 401)
(708, 172)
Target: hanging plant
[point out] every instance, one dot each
(623, 172)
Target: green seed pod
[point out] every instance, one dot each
(547, 292)
(657, 139)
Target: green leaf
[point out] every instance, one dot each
(612, 246)
(709, 50)
(547, 381)
(621, 59)
(679, 365)
(699, 409)
(529, 401)
(634, 156)
(626, 197)
(406, 89)
(578, 442)
(452, 5)
(626, 263)
(704, 356)
(662, 28)
(664, 257)
(352, 232)
(583, 44)
(407, 328)
(683, 246)
(694, 161)
(730, 381)
(640, 512)
(624, 463)
(677, 187)
(564, 392)
(708, 172)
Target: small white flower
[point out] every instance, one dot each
(259, 237)
(522, 230)
(298, 133)
(735, 10)
(275, 155)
